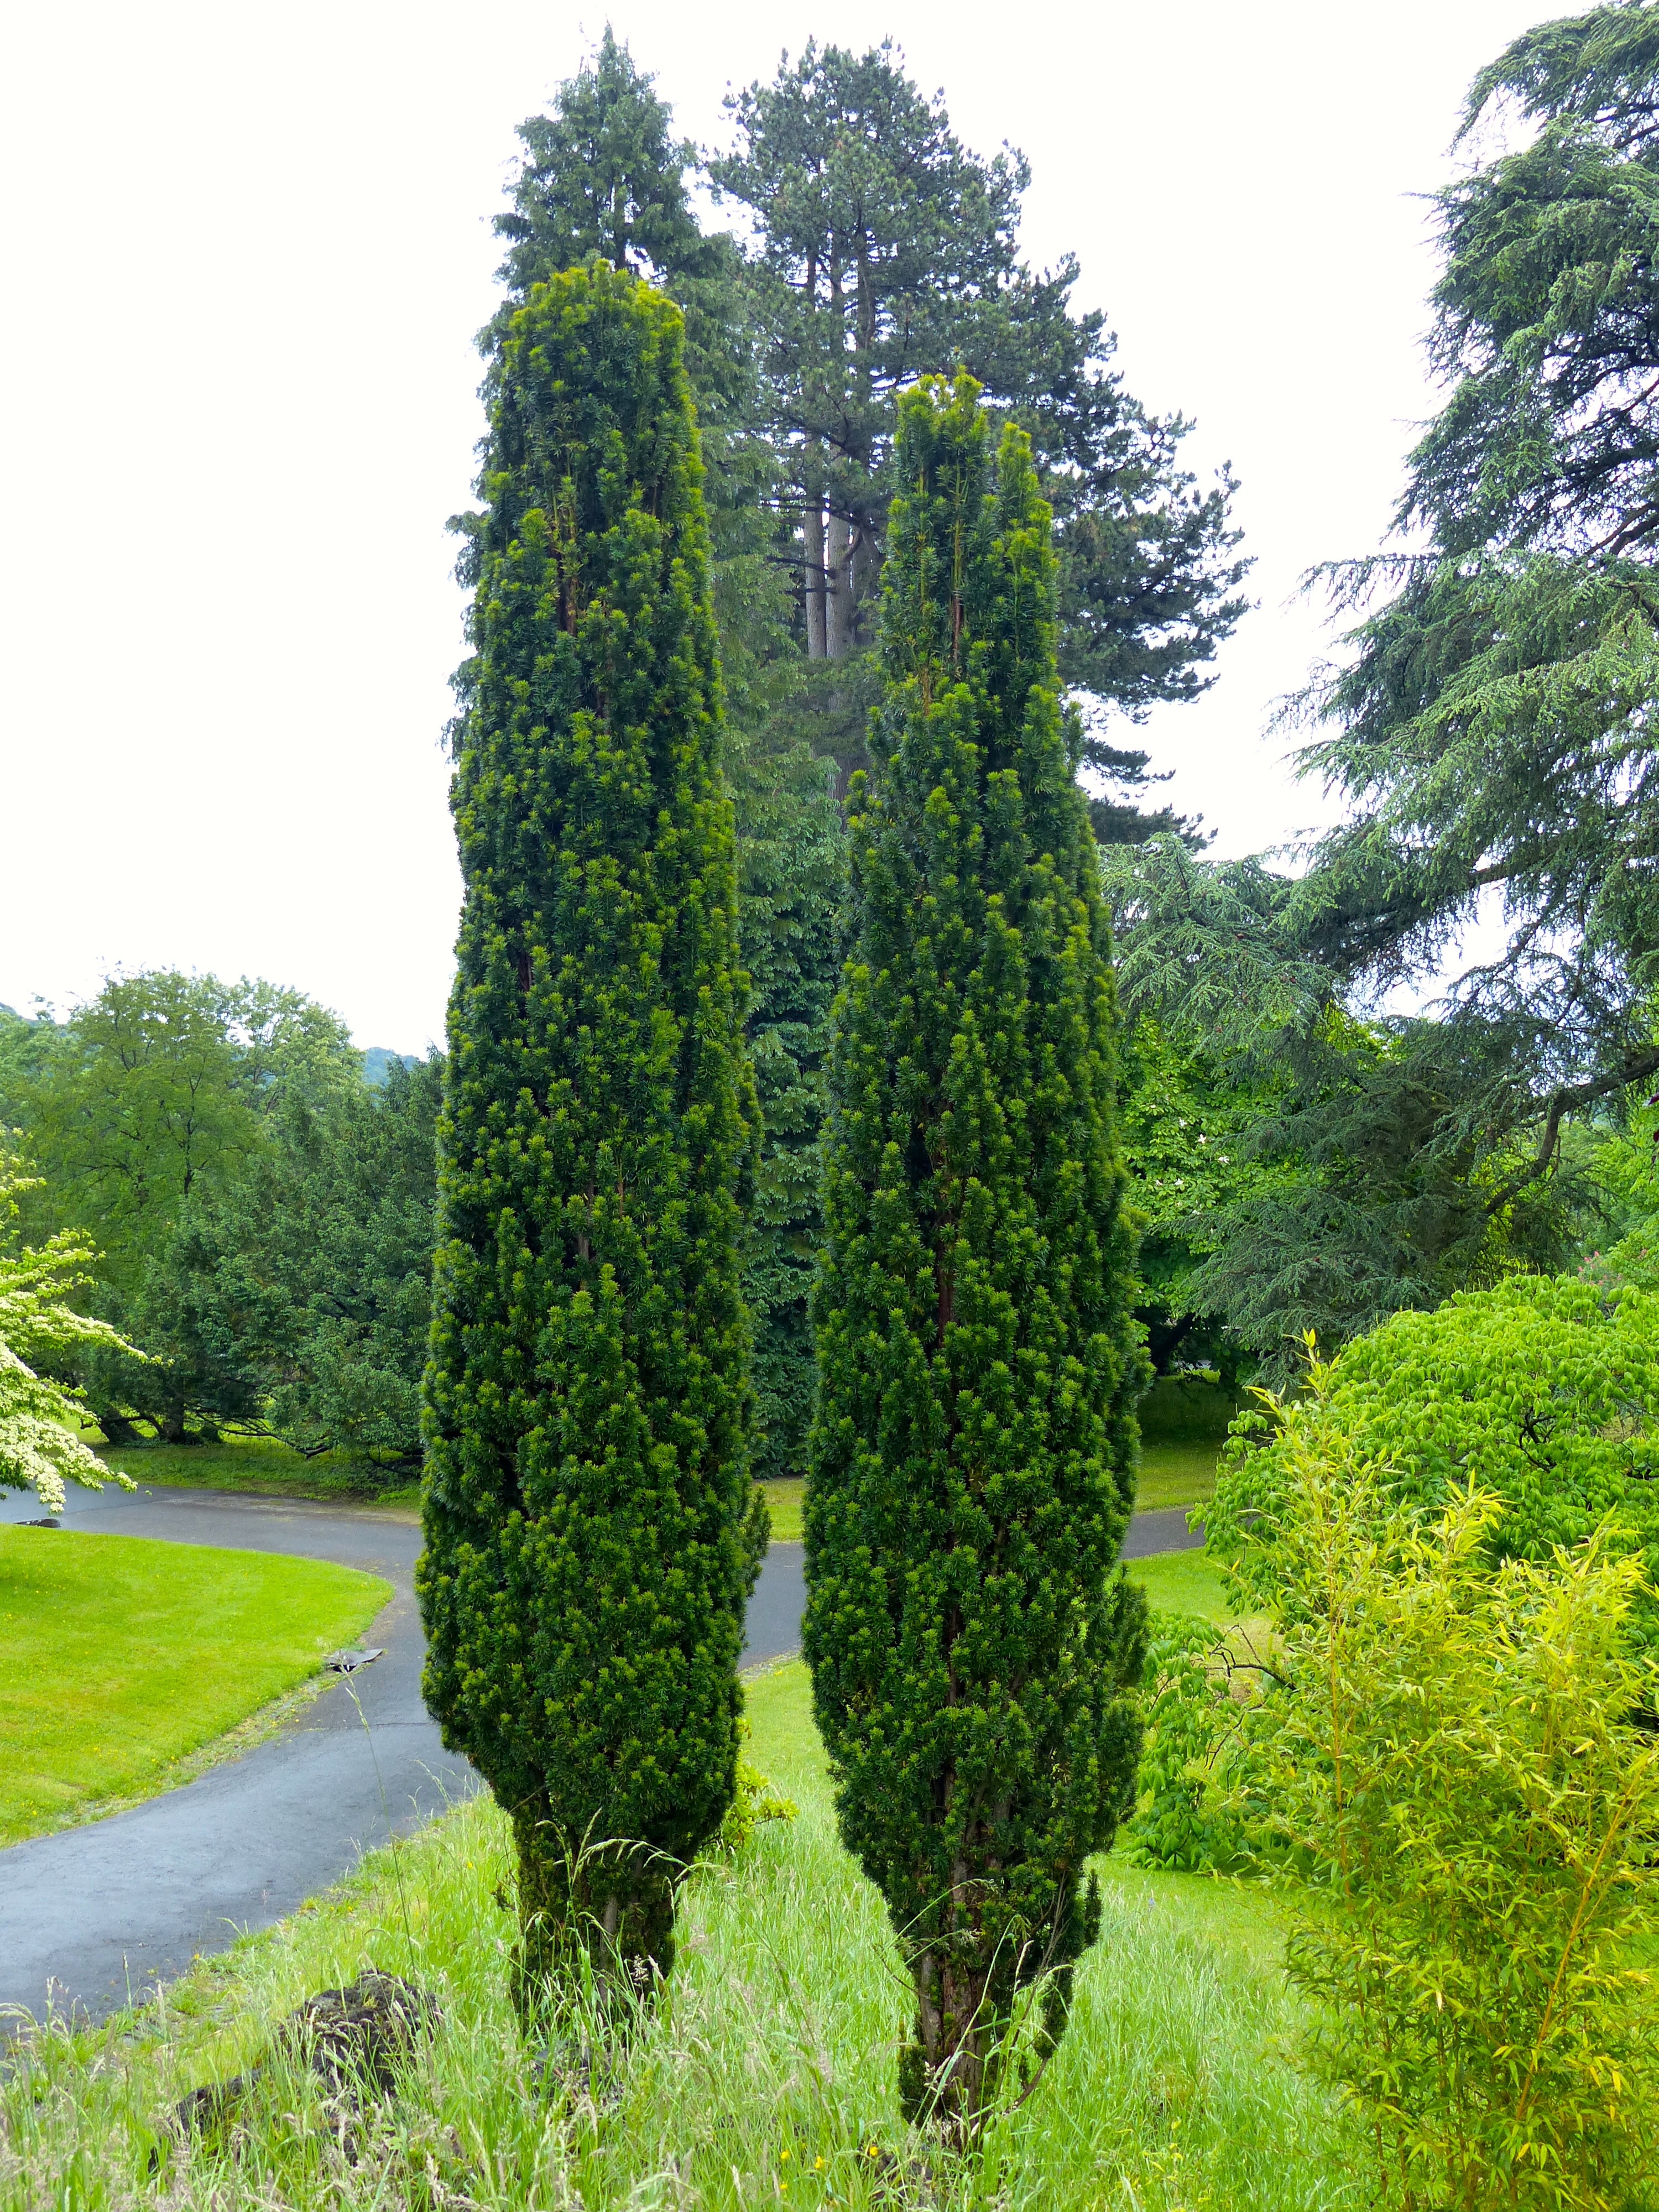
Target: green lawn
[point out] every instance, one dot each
(1179, 1472)
(1184, 1582)
(766, 2076)
(1171, 1474)
(785, 1501)
(263, 1466)
(122, 1658)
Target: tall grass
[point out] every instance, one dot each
(765, 2075)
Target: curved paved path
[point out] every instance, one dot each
(94, 1917)
(121, 1903)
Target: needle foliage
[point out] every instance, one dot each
(973, 1455)
(590, 1542)
(1488, 727)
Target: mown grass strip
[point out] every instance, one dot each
(123, 1656)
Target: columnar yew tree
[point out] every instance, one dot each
(972, 1467)
(589, 1547)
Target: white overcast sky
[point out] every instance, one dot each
(245, 251)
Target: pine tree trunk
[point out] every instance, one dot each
(840, 547)
(816, 595)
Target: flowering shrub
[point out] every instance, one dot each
(39, 1448)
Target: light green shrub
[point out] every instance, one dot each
(39, 1448)
(1543, 1391)
(1181, 1820)
(1450, 1756)
(754, 1799)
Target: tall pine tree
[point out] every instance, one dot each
(590, 1545)
(974, 1452)
(882, 248)
(603, 173)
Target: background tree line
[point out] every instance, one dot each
(1304, 1155)
(262, 1213)
(1488, 726)
(265, 1212)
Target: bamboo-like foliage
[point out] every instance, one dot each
(972, 1467)
(1451, 1754)
(590, 1543)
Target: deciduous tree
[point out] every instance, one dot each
(150, 1107)
(40, 1448)
(1544, 1391)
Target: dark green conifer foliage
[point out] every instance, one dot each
(602, 173)
(974, 1453)
(589, 1541)
(791, 873)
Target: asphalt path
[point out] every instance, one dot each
(94, 1917)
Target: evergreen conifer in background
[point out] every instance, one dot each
(605, 173)
(589, 1540)
(792, 874)
(973, 1455)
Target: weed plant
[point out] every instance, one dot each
(765, 2074)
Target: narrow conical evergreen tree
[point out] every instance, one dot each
(589, 1541)
(974, 1452)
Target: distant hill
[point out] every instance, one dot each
(379, 1058)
